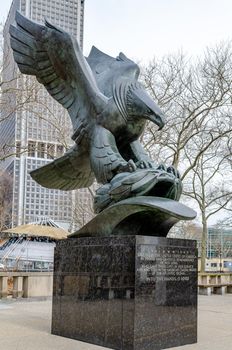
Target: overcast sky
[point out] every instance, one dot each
(143, 29)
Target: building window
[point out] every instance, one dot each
(60, 150)
(50, 151)
(213, 264)
(18, 149)
(41, 150)
(31, 148)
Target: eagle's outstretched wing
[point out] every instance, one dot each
(107, 69)
(55, 58)
(69, 172)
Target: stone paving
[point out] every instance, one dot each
(25, 325)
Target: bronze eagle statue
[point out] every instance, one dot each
(108, 108)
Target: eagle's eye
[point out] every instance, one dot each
(149, 111)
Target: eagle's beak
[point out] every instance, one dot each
(155, 114)
(161, 124)
(157, 119)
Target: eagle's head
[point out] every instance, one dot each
(140, 104)
(135, 103)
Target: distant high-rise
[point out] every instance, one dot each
(36, 125)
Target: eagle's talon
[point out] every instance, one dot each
(126, 167)
(132, 165)
(173, 171)
(162, 167)
(142, 164)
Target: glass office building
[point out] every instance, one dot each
(219, 242)
(37, 128)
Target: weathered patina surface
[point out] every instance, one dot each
(108, 108)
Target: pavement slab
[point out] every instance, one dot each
(26, 325)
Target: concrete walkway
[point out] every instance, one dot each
(25, 325)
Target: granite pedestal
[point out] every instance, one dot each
(131, 292)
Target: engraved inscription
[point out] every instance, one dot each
(166, 263)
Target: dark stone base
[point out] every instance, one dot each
(131, 292)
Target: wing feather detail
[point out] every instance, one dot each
(70, 172)
(105, 157)
(108, 69)
(55, 58)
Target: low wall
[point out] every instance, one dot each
(214, 283)
(214, 278)
(40, 284)
(26, 284)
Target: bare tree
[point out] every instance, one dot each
(196, 96)
(5, 200)
(210, 186)
(220, 241)
(24, 100)
(221, 246)
(83, 209)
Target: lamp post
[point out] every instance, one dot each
(220, 259)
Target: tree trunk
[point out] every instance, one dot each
(203, 242)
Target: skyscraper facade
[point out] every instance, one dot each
(36, 127)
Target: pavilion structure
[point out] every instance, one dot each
(30, 247)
